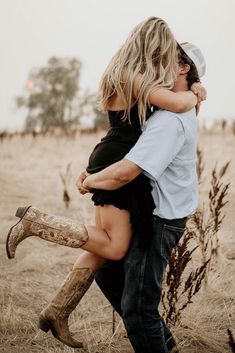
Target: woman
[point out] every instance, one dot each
(140, 74)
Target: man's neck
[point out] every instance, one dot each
(181, 84)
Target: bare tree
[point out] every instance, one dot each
(53, 97)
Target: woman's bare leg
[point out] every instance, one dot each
(112, 238)
(87, 259)
(109, 240)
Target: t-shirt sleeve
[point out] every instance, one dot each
(161, 140)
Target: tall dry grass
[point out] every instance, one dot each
(66, 178)
(201, 233)
(29, 173)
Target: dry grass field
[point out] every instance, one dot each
(29, 174)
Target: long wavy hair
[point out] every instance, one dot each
(150, 50)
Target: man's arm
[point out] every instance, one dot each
(159, 143)
(114, 176)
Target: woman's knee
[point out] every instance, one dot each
(117, 253)
(89, 260)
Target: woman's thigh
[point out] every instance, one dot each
(116, 223)
(88, 259)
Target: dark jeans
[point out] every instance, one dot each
(133, 286)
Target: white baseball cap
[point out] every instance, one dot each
(195, 54)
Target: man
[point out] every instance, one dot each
(166, 153)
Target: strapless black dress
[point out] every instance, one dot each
(135, 196)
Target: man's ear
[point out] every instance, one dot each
(184, 69)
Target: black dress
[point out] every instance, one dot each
(135, 196)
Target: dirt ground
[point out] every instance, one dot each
(30, 174)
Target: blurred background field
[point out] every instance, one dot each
(30, 168)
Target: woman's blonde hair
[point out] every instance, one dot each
(151, 50)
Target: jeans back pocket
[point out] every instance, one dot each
(170, 238)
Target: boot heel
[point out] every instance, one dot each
(21, 211)
(44, 325)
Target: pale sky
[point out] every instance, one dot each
(33, 30)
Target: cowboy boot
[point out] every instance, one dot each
(55, 316)
(57, 229)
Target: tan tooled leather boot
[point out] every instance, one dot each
(55, 316)
(57, 229)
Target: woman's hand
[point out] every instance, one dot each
(198, 108)
(200, 91)
(83, 190)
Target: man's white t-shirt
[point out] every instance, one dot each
(166, 151)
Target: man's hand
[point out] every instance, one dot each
(80, 181)
(199, 90)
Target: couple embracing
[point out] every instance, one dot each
(143, 182)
